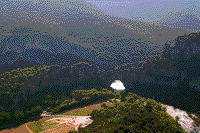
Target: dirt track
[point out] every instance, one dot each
(92, 107)
(28, 129)
(23, 128)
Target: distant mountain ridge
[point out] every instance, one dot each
(38, 55)
(34, 56)
(80, 30)
(180, 19)
(153, 10)
(153, 81)
(8, 57)
(16, 63)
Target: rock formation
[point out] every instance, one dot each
(179, 65)
(185, 121)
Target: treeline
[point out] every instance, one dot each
(56, 105)
(16, 106)
(14, 86)
(23, 90)
(136, 114)
(17, 117)
(28, 91)
(177, 70)
(80, 98)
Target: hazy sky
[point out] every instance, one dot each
(109, 3)
(121, 7)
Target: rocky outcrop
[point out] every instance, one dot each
(167, 50)
(179, 65)
(186, 46)
(185, 121)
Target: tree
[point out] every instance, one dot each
(150, 104)
(129, 118)
(6, 114)
(131, 97)
(167, 50)
(1, 109)
(37, 110)
(72, 131)
(96, 113)
(2, 120)
(104, 105)
(177, 118)
(158, 107)
(123, 95)
(19, 115)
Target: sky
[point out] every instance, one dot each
(119, 7)
(111, 3)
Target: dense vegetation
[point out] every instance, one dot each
(79, 98)
(24, 95)
(135, 114)
(11, 113)
(178, 69)
(19, 116)
(61, 102)
(25, 92)
(131, 113)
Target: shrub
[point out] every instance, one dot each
(158, 107)
(177, 118)
(164, 109)
(127, 117)
(104, 105)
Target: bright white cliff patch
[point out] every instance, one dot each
(117, 85)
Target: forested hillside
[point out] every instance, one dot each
(133, 114)
(68, 57)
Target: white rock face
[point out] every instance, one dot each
(117, 85)
(185, 121)
(83, 121)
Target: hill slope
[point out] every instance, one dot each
(36, 26)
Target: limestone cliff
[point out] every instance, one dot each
(179, 64)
